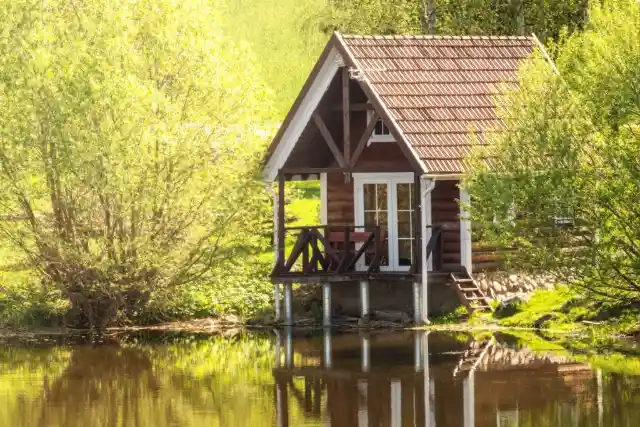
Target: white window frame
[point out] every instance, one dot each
(391, 179)
(376, 137)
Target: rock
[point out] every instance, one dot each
(497, 287)
(365, 321)
(539, 324)
(392, 316)
(513, 278)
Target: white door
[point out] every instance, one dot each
(387, 200)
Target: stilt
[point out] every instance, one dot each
(288, 348)
(327, 359)
(326, 304)
(417, 351)
(288, 301)
(277, 303)
(282, 404)
(468, 387)
(278, 349)
(365, 353)
(396, 403)
(417, 303)
(364, 298)
(429, 389)
(363, 403)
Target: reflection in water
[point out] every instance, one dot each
(388, 379)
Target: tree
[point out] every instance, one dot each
(125, 145)
(545, 18)
(563, 179)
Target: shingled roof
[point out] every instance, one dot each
(438, 89)
(433, 92)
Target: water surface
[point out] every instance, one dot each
(305, 379)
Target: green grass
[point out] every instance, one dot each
(541, 303)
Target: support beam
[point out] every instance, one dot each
(326, 304)
(280, 224)
(278, 349)
(346, 115)
(396, 403)
(426, 187)
(466, 256)
(365, 348)
(324, 204)
(363, 403)
(288, 347)
(362, 143)
(417, 303)
(364, 298)
(469, 400)
(418, 244)
(322, 127)
(282, 404)
(288, 304)
(327, 358)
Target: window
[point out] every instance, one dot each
(381, 132)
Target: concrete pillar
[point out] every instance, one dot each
(326, 304)
(327, 356)
(396, 403)
(364, 298)
(363, 403)
(417, 351)
(282, 404)
(417, 303)
(278, 349)
(469, 399)
(288, 348)
(276, 302)
(288, 304)
(365, 352)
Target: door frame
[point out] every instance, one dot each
(391, 179)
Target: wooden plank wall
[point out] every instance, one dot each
(446, 214)
(378, 157)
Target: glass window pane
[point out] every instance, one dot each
(404, 193)
(370, 220)
(404, 252)
(369, 197)
(383, 221)
(404, 224)
(382, 196)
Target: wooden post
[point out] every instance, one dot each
(281, 223)
(418, 244)
(346, 115)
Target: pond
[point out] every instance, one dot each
(286, 378)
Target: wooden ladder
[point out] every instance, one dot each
(472, 357)
(470, 294)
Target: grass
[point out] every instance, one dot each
(541, 303)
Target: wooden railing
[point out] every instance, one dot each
(330, 250)
(435, 247)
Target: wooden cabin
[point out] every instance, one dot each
(385, 124)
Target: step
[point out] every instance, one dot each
(476, 298)
(463, 280)
(470, 289)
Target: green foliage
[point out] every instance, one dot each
(570, 152)
(286, 38)
(127, 148)
(546, 18)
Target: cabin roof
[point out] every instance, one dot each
(435, 92)
(440, 89)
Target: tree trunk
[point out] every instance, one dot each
(428, 16)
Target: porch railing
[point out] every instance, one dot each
(330, 250)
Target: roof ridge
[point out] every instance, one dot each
(432, 37)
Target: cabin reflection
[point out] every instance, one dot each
(418, 379)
